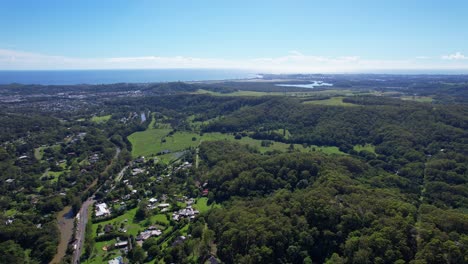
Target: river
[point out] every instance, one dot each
(65, 221)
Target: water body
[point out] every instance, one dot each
(69, 77)
(309, 85)
(65, 224)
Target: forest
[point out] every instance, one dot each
(250, 159)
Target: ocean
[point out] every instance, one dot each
(69, 77)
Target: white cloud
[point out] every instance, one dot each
(293, 61)
(455, 56)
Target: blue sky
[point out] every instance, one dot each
(283, 36)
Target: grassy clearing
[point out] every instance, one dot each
(55, 174)
(149, 142)
(11, 212)
(39, 153)
(421, 99)
(101, 119)
(196, 125)
(237, 93)
(160, 218)
(155, 140)
(312, 92)
(336, 101)
(284, 132)
(328, 150)
(201, 205)
(101, 256)
(127, 219)
(367, 147)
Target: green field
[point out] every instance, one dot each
(312, 92)
(101, 119)
(148, 143)
(367, 147)
(237, 93)
(154, 140)
(421, 99)
(202, 206)
(338, 101)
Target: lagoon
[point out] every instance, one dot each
(308, 85)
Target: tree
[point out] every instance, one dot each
(137, 254)
(11, 253)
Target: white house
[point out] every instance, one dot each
(102, 210)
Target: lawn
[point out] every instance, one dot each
(367, 147)
(160, 218)
(39, 153)
(132, 227)
(100, 256)
(101, 119)
(201, 205)
(336, 101)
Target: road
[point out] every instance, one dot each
(83, 220)
(81, 228)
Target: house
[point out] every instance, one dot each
(94, 158)
(10, 180)
(147, 234)
(117, 260)
(176, 217)
(137, 171)
(121, 244)
(187, 212)
(102, 210)
(205, 192)
(152, 200)
(140, 160)
(190, 201)
(163, 205)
